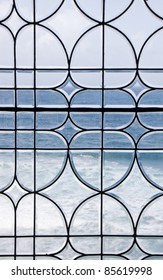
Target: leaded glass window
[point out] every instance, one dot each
(81, 129)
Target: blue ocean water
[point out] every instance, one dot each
(82, 174)
(48, 122)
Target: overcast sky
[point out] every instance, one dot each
(69, 24)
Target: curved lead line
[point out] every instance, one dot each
(19, 14)
(82, 129)
(44, 188)
(117, 183)
(148, 130)
(55, 35)
(146, 93)
(145, 84)
(6, 195)
(141, 137)
(155, 197)
(76, 209)
(124, 206)
(143, 125)
(55, 128)
(80, 9)
(14, 228)
(6, 27)
(60, 93)
(79, 132)
(60, 211)
(99, 21)
(140, 54)
(40, 21)
(59, 40)
(126, 175)
(14, 175)
(151, 10)
(130, 124)
(16, 179)
(57, 206)
(145, 176)
(80, 91)
(142, 95)
(54, 133)
(138, 113)
(77, 175)
(32, 21)
(129, 41)
(100, 236)
(115, 18)
(89, 90)
(147, 126)
(79, 126)
(114, 131)
(104, 256)
(114, 197)
(153, 257)
(150, 108)
(110, 26)
(81, 36)
(145, 42)
(64, 164)
(122, 128)
(64, 137)
(65, 52)
(98, 110)
(9, 14)
(67, 119)
(138, 222)
(94, 69)
(64, 219)
(139, 247)
(27, 24)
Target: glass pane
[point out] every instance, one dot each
(81, 120)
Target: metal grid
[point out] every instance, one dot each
(28, 136)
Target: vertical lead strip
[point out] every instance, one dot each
(34, 174)
(15, 138)
(102, 132)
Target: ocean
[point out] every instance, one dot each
(69, 162)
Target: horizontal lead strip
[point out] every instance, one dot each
(80, 69)
(86, 235)
(134, 149)
(84, 110)
(83, 236)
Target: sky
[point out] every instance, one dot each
(138, 23)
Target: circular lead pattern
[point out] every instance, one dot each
(155, 7)
(150, 227)
(151, 73)
(42, 9)
(103, 62)
(112, 9)
(89, 49)
(5, 8)
(154, 99)
(115, 221)
(45, 225)
(6, 52)
(150, 157)
(51, 58)
(87, 165)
